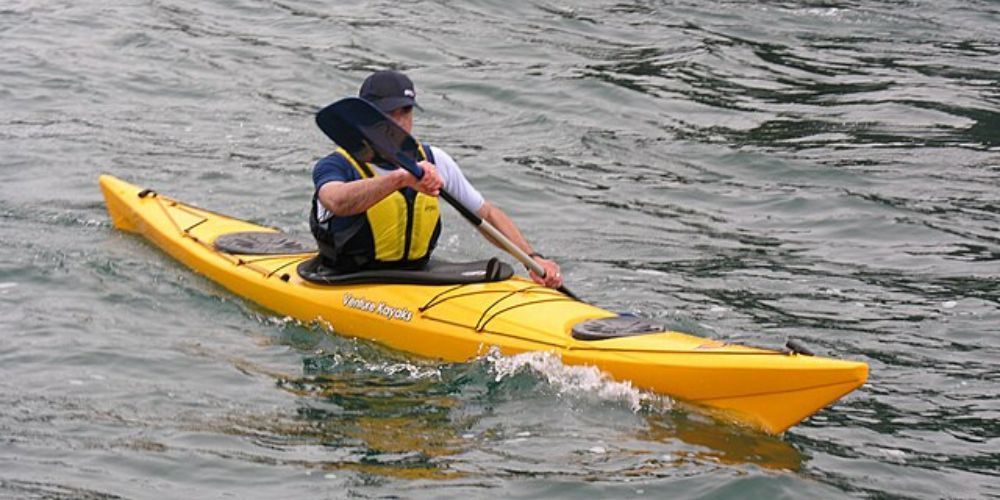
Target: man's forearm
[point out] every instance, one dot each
(498, 219)
(351, 198)
(550, 274)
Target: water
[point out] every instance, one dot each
(756, 171)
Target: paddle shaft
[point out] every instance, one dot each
(494, 234)
(484, 227)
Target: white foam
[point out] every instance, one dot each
(893, 455)
(823, 12)
(412, 371)
(7, 284)
(570, 380)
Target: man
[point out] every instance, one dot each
(367, 216)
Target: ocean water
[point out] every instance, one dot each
(827, 171)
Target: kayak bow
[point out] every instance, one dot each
(765, 389)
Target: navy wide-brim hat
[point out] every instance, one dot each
(389, 90)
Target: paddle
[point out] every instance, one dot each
(371, 136)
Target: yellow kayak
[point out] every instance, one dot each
(458, 321)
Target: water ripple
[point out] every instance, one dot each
(753, 171)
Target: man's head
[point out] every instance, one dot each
(388, 90)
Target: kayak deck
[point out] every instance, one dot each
(768, 390)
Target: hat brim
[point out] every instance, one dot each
(390, 104)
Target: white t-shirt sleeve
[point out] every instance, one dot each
(455, 182)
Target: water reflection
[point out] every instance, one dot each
(725, 444)
(385, 418)
(358, 418)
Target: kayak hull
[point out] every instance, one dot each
(767, 390)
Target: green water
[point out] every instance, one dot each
(749, 171)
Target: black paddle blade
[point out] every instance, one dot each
(344, 134)
(359, 127)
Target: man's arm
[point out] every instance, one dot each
(351, 198)
(459, 187)
(498, 219)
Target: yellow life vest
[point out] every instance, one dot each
(404, 224)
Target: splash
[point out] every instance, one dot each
(409, 370)
(573, 381)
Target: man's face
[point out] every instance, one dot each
(403, 117)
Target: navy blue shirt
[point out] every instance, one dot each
(334, 168)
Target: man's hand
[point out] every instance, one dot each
(430, 184)
(553, 277)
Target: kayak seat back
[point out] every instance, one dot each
(436, 272)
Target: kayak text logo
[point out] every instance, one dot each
(382, 309)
